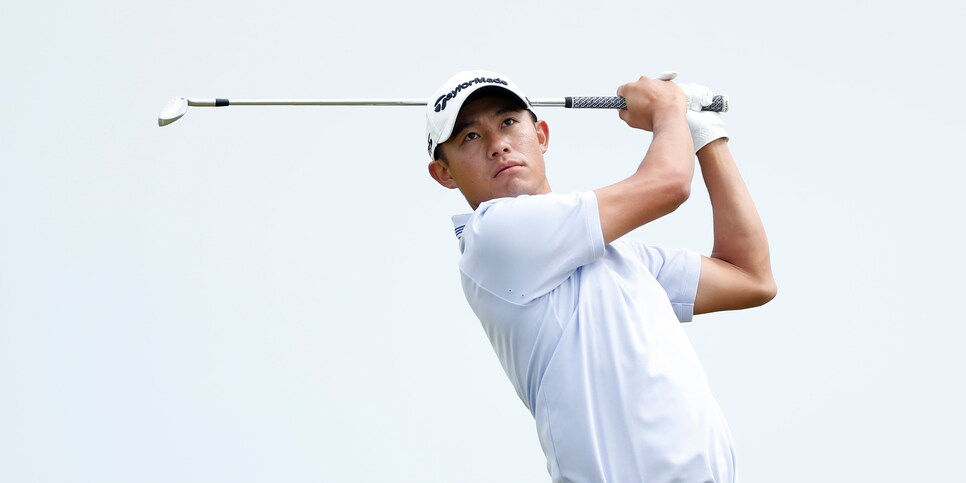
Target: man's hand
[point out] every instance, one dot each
(706, 126)
(651, 102)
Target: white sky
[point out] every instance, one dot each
(271, 294)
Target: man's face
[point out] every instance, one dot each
(495, 151)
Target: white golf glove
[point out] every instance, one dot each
(706, 126)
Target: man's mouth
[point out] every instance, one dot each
(509, 168)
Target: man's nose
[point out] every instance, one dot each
(499, 146)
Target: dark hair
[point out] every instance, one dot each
(490, 91)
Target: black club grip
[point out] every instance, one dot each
(718, 103)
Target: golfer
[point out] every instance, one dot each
(585, 322)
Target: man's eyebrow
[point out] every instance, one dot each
(507, 109)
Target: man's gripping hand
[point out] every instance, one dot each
(651, 102)
(706, 126)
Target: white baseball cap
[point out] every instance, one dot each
(443, 108)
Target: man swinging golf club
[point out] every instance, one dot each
(585, 322)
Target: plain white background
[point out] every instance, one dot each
(271, 294)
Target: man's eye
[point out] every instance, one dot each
(471, 136)
(509, 121)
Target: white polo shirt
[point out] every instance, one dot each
(589, 335)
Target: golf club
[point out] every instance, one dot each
(175, 109)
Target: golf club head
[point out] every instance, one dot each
(173, 111)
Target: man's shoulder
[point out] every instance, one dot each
(526, 217)
(527, 205)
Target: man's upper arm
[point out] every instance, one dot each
(639, 200)
(677, 271)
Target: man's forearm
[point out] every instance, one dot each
(739, 236)
(663, 179)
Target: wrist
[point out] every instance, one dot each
(706, 136)
(669, 117)
(706, 127)
(714, 148)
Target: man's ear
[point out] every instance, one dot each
(543, 134)
(440, 172)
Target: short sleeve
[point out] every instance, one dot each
(678, 272)
(522, 248)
